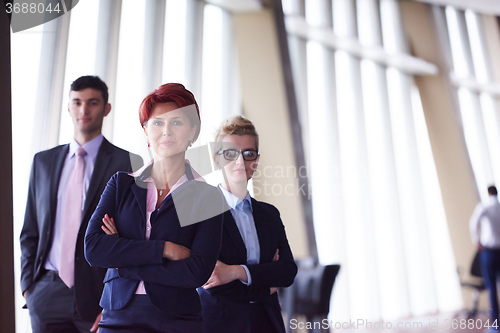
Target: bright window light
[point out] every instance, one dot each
(478, 152)
(319, 164)
(491, 118)
(175, 42)
(25, 58)
(213, 68)
(80, 57)
(129, 85)
(477, 46)
(443, 263)
(460, 63)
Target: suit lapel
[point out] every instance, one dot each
(140, 192)
(234, 233)
(261, 227)
(57, 166)
(101, 165)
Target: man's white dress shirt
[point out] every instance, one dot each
(485, 224)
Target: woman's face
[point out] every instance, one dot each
(240, 170)
(169, 130)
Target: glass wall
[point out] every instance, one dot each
(473, 77)
(376, 199)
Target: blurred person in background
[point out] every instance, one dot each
(485, 234)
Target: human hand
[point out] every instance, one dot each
(95, 327)
(277, 255)
(223, 274)
(480, 246)
(172, 251)
(109, 226)
(272, 290)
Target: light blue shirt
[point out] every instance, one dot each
(243, 216)
(92, 148)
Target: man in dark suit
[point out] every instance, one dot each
(62, 291)
(255, 258)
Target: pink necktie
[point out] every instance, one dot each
(72, 218)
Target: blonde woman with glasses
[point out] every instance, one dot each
(255, 258)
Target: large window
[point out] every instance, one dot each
(473, 76)
(376, 199)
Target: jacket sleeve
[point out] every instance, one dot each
(108, 251)
(238, 291)
(280, 273)
(29, 234)
(191, 272)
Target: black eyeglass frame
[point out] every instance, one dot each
(223, 152)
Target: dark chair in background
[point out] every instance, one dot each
(310, 294)
(477, 285)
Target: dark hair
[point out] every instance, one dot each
(171, 92)
(93, 82)
(492, 190)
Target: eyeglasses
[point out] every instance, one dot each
(233, 154)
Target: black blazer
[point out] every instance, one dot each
(170, 284)
(37, 232)
(226, 308)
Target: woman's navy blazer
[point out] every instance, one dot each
(226, 308)
(130, 258)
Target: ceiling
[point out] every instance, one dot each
(489, 7)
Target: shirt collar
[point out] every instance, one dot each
(145, 172)
(91, 147)
(233, 200)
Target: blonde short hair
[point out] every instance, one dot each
(237, 125)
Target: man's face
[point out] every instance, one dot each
(87, 110)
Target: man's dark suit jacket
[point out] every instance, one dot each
(226, 308)
(37, 233)
(130, 258)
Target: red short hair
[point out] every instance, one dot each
(171, 92)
